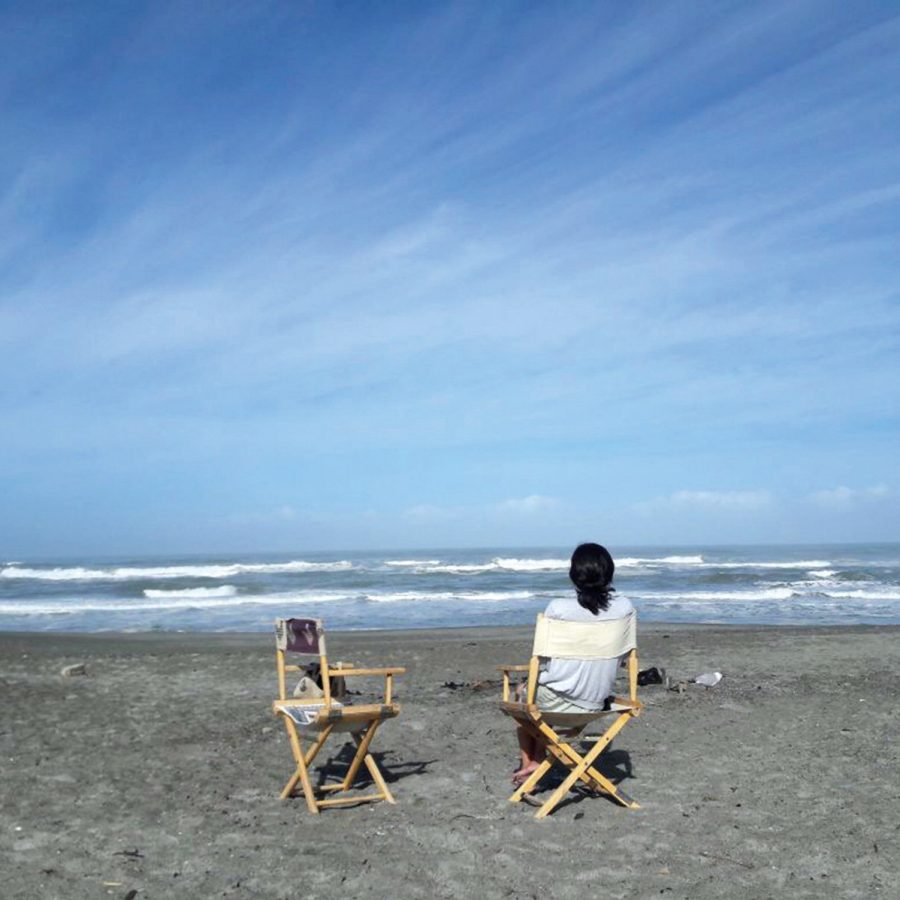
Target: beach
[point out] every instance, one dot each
(157, 773)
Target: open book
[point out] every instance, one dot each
(305, 715)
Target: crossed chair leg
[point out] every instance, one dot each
(581, 766)
(304, 760)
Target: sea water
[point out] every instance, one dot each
(798, 585)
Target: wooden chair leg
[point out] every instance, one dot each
(317, 745)
(567, 762)
(304, 759)
(583, 769)
(362, 748)
(568, 756)
(604, 783)
(302, 773)
(375, 772)
(615, 792)
(532, 781)
(560, 750)
(297, 752)
(534, 778)
(568, 782)
(288, 789)
(551, 743)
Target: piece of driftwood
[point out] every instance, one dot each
(485, 684)
(73, 670)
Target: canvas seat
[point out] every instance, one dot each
(555, 638)
(315, 719)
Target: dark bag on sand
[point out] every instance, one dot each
(310, 685)
(650, 676)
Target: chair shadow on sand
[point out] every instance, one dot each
(392, 770)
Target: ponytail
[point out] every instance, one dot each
(594, 599)
(592, 572)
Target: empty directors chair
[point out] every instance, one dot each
(561, 639)
(313, 719)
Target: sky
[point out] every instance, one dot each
(285, 276)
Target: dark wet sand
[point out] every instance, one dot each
(159, 772)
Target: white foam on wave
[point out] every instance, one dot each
(889, 594)
(449, 596)
(823, 573)
(411, 563)
(498, 564)
(170, 602)
(226, 590)
(799, 592)
(779, 593)
(638, 562)
(455, 569)
(531, 565)
(753, 564)
(127, 573)
(630, 562)
(226, 597)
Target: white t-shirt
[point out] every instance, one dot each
(584, 682)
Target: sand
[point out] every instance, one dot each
(157, 774)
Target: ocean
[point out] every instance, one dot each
(797, 585)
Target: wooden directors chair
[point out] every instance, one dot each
(574, 640)
(316, 718)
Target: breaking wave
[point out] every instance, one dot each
(712, 596)
(752, 564)
(436, 587)
(498, 564)
(776, 593)
(227, 590)
(450, 596)
(128, 573)
(629, 562)
(411, 563)
(227, 597)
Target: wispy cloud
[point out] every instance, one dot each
(514, 507)
(843, 497)
(392, 261)
(710, 500)
(533, 504)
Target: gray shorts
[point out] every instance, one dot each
(549, 701)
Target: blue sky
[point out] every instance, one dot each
(298, 276)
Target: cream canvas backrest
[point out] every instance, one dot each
(608, 639)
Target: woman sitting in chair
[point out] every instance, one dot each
(576, 685)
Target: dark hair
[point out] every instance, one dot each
(592, 572)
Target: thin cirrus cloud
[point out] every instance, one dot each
(532, 505)
(843, 496)
(710, 501)
(375, 261)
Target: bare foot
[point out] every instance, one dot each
(521, 775)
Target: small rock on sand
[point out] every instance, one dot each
(74, 669)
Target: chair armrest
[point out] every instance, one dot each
(386, 672)
(506, 670)
(343, 673)
(636, 705)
